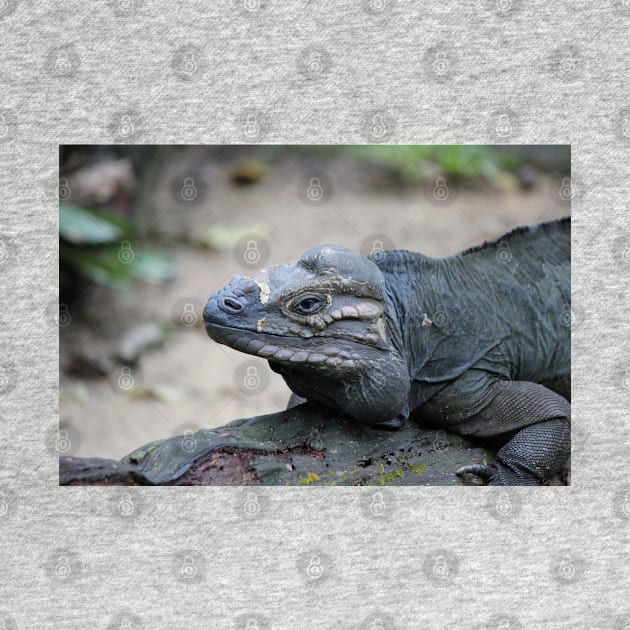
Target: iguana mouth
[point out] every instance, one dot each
(284, 348)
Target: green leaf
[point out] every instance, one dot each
(99, 264)
(82, 227)
(151, 266)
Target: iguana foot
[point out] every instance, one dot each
(499, 475)
(479, 470)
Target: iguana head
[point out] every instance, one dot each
(323, 323)
(323, 311)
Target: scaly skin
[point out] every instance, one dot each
(477, 343)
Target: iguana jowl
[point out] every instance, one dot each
(477, 343)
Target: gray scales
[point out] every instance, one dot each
(476, 344)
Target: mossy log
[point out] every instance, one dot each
(303, 445)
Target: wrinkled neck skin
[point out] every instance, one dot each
(410, 305)
(434, 328)
(447, 317)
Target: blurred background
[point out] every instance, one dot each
(147, 233)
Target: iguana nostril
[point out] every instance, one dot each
(230, 305)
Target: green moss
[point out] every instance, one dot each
(137, 456)
(392, 476)
(310, 478)
(418, 469)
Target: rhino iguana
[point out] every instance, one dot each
(477, 343)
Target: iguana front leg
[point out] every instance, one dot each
(535, 421)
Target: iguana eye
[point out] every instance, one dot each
(308, 304)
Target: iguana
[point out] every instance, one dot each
(477, 343)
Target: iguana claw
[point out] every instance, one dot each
(486, 473)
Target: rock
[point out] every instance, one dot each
(303, 445)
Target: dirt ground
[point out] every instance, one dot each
(191, 382)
